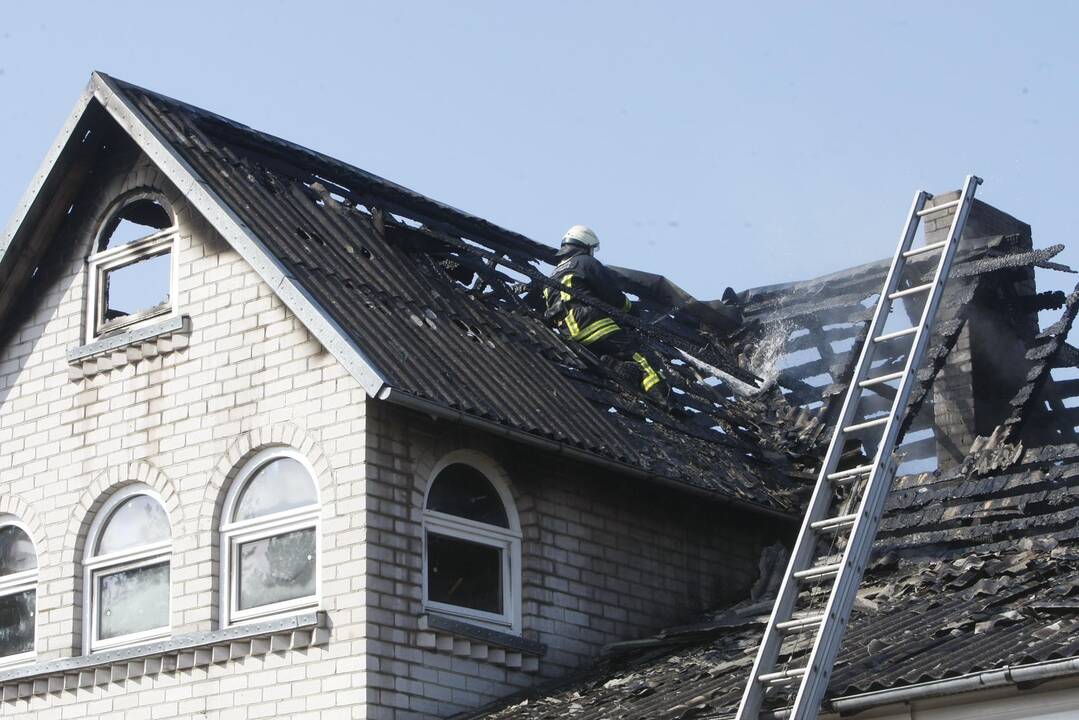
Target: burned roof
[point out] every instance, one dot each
(975, 568)
(443, 305)
(437, 310)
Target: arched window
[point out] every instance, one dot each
(18, 593)
(131, 273)
(128, 554)
(472, 545)
(270, 538)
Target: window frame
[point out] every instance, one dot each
(101, 262)
(21, 582)
(96, 566)
(506, 540)
(233, 534)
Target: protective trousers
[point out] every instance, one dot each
(619, 345)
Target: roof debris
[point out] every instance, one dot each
(984, 555)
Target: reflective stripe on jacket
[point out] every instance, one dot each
(584, 277)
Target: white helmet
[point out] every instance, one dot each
(579, 236)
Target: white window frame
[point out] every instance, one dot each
(101, 262)
(16, 583)
(506, 540)
(95, 566)
(233, 534)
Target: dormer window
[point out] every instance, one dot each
(131, 273)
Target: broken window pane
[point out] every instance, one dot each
(137, 287)
(462, 490)
(277, 569)
(135, 221)
(16, 551)
(279, 485)
(17, 622)
(138, 521)
(132, 601)
(463, 573)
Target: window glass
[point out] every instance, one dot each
(279, 485)
(135, 221)
(462, 490)
(464, 573)
(132, 601)
(16, 551)
(17, 622)
(138, 521)
(137, 287)
(277, 568)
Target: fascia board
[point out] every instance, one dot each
(238, 235)
(30, 197)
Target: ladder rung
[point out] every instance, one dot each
(937, 208)
(911, 291)
(782, 676)
(881, 379)
(897, 334)
(925, 249)
(866, 424)
(818, 572)
(852, 472)
(799, 623)
(834, 523)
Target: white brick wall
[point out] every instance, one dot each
(181, 423)
(604, 558)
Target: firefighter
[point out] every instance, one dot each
(583, 277)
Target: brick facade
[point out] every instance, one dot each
(604, 558)
(181, 423)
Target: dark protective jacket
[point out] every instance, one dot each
(583, 277)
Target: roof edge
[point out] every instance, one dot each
(325, 329)
(437, 410)
(434, 209)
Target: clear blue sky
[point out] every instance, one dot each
(718, 143)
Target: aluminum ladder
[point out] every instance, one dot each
(823, 521)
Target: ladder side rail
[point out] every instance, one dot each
(819, 503)
(814, 683)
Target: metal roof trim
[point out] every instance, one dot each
(238, 235)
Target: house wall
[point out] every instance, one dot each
(604, 559)
(181, 422)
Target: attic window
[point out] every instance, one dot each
(472, 544)
(131, 274)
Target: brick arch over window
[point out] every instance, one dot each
(21, 511)
(144, 178)
(242, 449)
(432, 459)
(103, 486)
